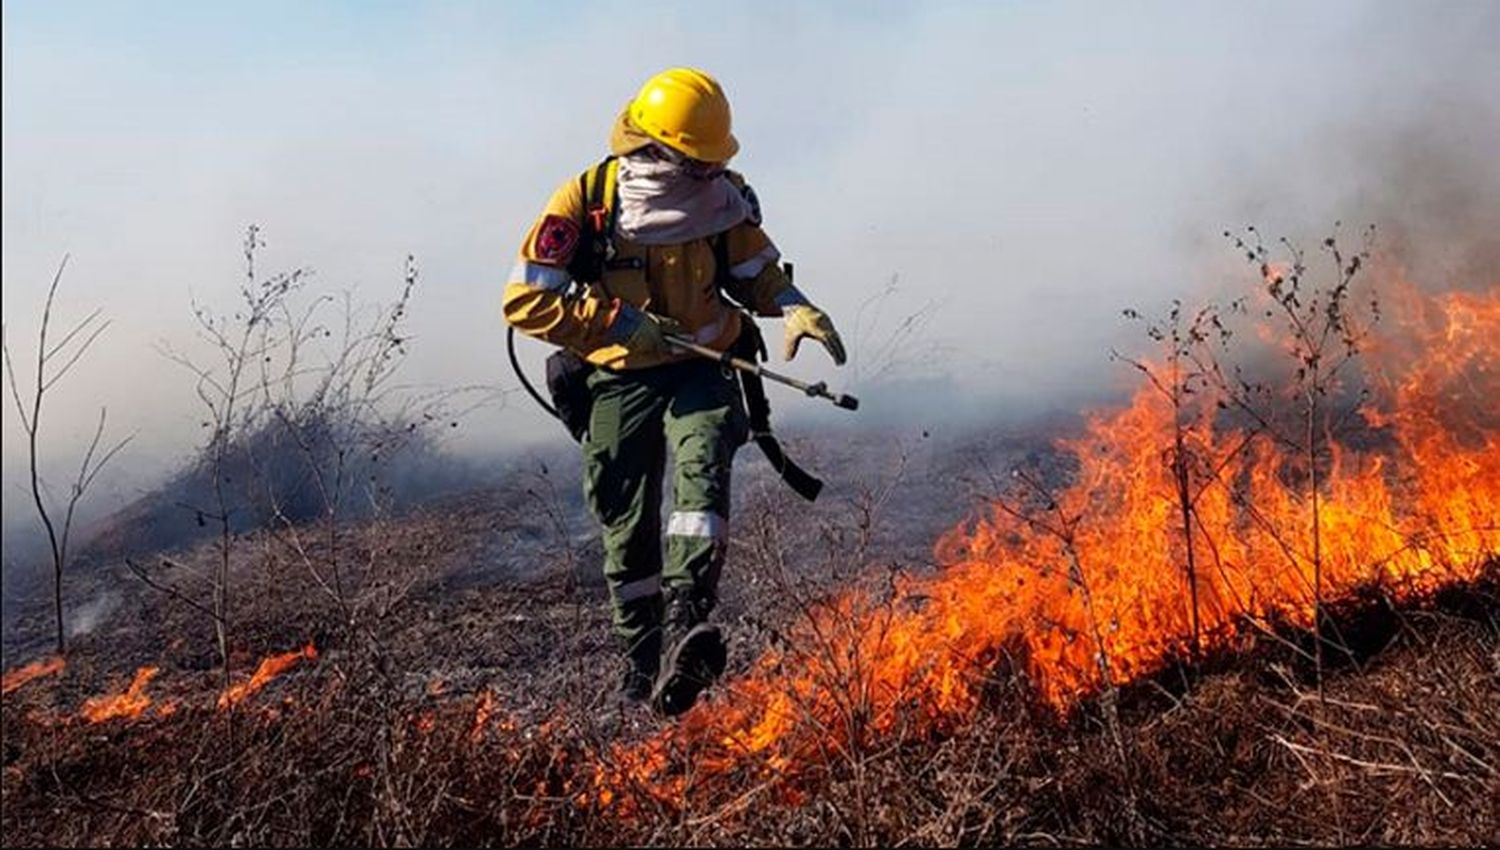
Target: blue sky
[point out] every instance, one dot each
(1026, 169)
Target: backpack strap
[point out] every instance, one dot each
(752, 347)
(596, 185)
(600, 189)
(728, 285)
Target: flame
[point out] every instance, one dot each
(130, 704)
(1111, 602)
(13, 679)
(270, 667)
(484, 709)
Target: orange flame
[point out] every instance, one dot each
(269, 668)
(484, 709)
(1110, 602)
(130, 704)
(13, 679)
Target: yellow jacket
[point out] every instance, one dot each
(676, 281)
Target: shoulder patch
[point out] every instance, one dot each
(556, 238)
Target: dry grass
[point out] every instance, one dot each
(474, 709)
(1402, 752)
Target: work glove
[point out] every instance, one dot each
(804, 320)
(649, 334)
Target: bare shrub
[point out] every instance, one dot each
(53, 362)
(306, 419)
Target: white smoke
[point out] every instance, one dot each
(90, 615)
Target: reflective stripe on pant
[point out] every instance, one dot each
(696, 410)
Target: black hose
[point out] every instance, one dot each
(515, 363)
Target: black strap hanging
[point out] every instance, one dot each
(751, 346)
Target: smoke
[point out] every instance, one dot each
(1410, 150)
(1435, 193)
(87, 617)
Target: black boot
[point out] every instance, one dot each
(642, 660)
(695, 655)
(636, 685)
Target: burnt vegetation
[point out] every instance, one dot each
(459, 692)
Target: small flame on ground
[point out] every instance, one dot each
(269, 669)
(130, 704)
(484, 707)
(13, 679)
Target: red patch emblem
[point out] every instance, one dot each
(556, 239)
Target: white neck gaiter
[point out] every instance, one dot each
(666, 203)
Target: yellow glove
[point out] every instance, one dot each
(648, 336)
(803, 320)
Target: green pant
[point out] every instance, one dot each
(695, 408)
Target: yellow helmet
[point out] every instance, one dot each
(686, 110)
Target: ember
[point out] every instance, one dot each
(484, 708)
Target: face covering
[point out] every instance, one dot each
(667, 198)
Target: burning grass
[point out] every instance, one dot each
(268, 669)
(1327, 672)
(1086, 593)
(1402, 748)
(130, 704)
(13, 679)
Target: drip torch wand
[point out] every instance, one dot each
(815, 390)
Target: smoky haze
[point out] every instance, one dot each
(1008, 176)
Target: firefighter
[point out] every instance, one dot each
(644, 244)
